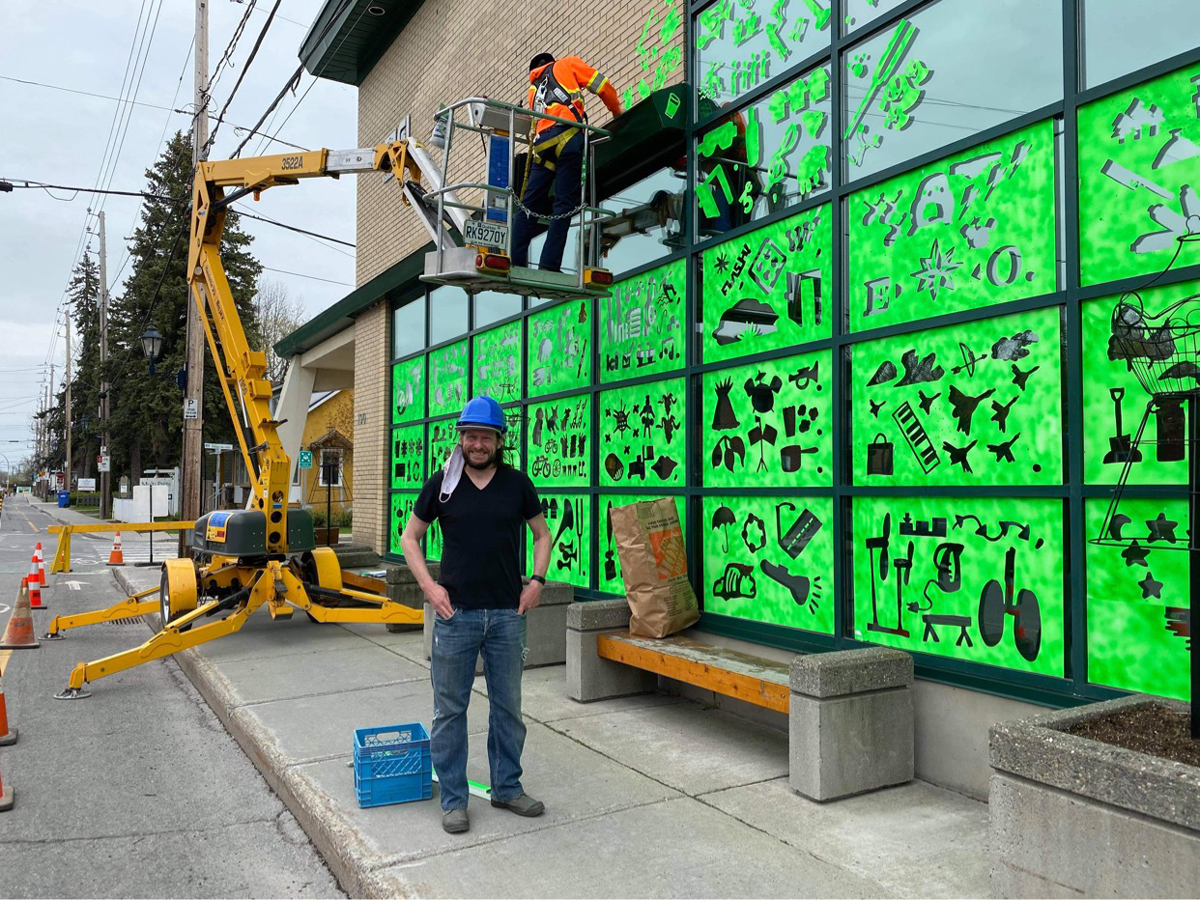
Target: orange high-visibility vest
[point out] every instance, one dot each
(557, 90)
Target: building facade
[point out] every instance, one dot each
(867, 344)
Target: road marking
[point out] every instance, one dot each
(74, 585)
(4, 607)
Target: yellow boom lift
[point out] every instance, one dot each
(266, 554)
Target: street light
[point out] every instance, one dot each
(152, 343)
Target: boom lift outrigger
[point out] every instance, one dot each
(266, 553)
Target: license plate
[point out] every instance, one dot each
(485, 234)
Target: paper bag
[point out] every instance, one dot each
(654, 567)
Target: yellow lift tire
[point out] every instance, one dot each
(321, 565)
(177, 592)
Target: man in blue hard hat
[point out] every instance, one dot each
(479, 605)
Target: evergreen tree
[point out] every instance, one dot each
(83, 296)
(146, 425)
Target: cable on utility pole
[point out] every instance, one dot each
(190, 471)
(105, 487)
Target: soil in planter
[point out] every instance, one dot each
(1149, 729)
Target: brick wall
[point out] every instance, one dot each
(371, 420)
(458, 48)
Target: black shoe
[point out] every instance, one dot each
(455, 821)
(522, 805)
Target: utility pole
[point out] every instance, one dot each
(47, 407)
(67, 404)
(192, 428)
(105, 487)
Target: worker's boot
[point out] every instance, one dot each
(455, 821)
(522, 805)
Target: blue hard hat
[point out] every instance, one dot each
(482, 412)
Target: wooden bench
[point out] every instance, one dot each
(850, 712)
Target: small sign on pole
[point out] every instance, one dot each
(104, 462)
(191, 408)
(306, 459)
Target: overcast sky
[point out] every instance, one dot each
(54, 136)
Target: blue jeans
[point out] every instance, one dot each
(457, 642)
(567, 180)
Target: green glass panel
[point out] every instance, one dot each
(768, 423)
(974, 229)
(1138, 161)
(559, 455)
(559, 356)
(443, 437)
(766, 156)
(408, 390)
(497, 363)
(641, 324)
(608, 567)
(448, 379)
(1137, 598)
(930, 576)
(979, 403)
(570, 519)
(770, 559)
(642, 441)
(401, 510)
(1114, 402)
(408, 457)
(769, 289)
(740, 44)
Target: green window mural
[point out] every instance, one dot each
(559, 356)
(642, 439)
(641, 324)
(770, 559)
(496, 362)
(975, 578)
(967, 231)
(402, 506)
(766, 156)
(741, 44)
(560, 454)
(1139, 159)
(860, 12)
(448, 379)
(608, 568)
(408, 457)
(768, 424)
(569, 517)
(1137, 596)
(443, 436)
(1114, 404)
(769, 289)
(943, 73)
(967, 404)
(408, 390)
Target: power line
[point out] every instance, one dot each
(310, 277)
(245, 68)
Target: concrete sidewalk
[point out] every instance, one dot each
(648, 796)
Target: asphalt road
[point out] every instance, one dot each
(137, 791)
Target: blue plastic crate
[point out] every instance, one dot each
(392, 764)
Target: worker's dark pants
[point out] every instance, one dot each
(567, 180)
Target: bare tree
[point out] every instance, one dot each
(278, 316)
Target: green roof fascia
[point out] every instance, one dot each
(646, 137)
(348, 37)
(400, 282)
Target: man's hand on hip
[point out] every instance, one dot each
(439, 599)
(531, 596)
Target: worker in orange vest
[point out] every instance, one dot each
(556, 88)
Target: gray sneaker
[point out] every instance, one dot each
(522, 805)
(455, 821)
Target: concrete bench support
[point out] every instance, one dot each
(546, 632)
(588, 676)
(850, 722)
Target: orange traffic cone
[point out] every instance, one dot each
(19, 633)
(7, 735)
(41, 564)
(115, 557)
(35, 586)
(6, 796)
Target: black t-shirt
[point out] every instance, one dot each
(481, 536)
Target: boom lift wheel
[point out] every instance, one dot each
(320, 566)
(177, 589)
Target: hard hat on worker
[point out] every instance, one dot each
(482, 412)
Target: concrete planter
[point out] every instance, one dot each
(1070, 816)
